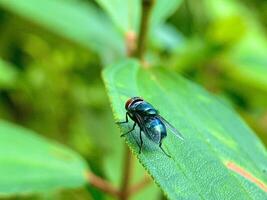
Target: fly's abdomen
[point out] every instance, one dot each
(155, 129)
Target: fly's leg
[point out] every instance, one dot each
(126, 119)
(163, 150)
(140, 146)
(129, 130)
(141, 140)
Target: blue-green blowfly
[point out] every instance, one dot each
(149, 121)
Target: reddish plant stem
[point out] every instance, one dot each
(106, 187)
(102, 184)
(127, 172)
(130, 40)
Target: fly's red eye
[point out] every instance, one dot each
(131, 101)
(128, 103)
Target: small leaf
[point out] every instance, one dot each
(127, 14)
(220, 158)
(30, 164)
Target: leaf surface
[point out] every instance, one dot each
(30, 164)
(220, 158)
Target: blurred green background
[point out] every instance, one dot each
(50, 71)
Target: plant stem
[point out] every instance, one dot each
(139, 52)
(127, 171)
(130, 40)
(102, 184)
(147, 6)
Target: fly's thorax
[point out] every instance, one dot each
(151, 112)
(143, 108)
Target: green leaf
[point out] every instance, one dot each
(29, 163)
(220, 158)
(126, 14)
(77, 21)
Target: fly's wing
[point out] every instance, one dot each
(172, 128)
(150, 134)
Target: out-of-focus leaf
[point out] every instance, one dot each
(29, 163)
(126, 14)
(8, 74)
(214, 161)
(249, 62)
(78, 21)
(247, 59)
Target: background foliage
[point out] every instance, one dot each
(52, 53)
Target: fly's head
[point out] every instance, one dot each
(130, 102)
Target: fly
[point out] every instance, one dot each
(149, 121)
